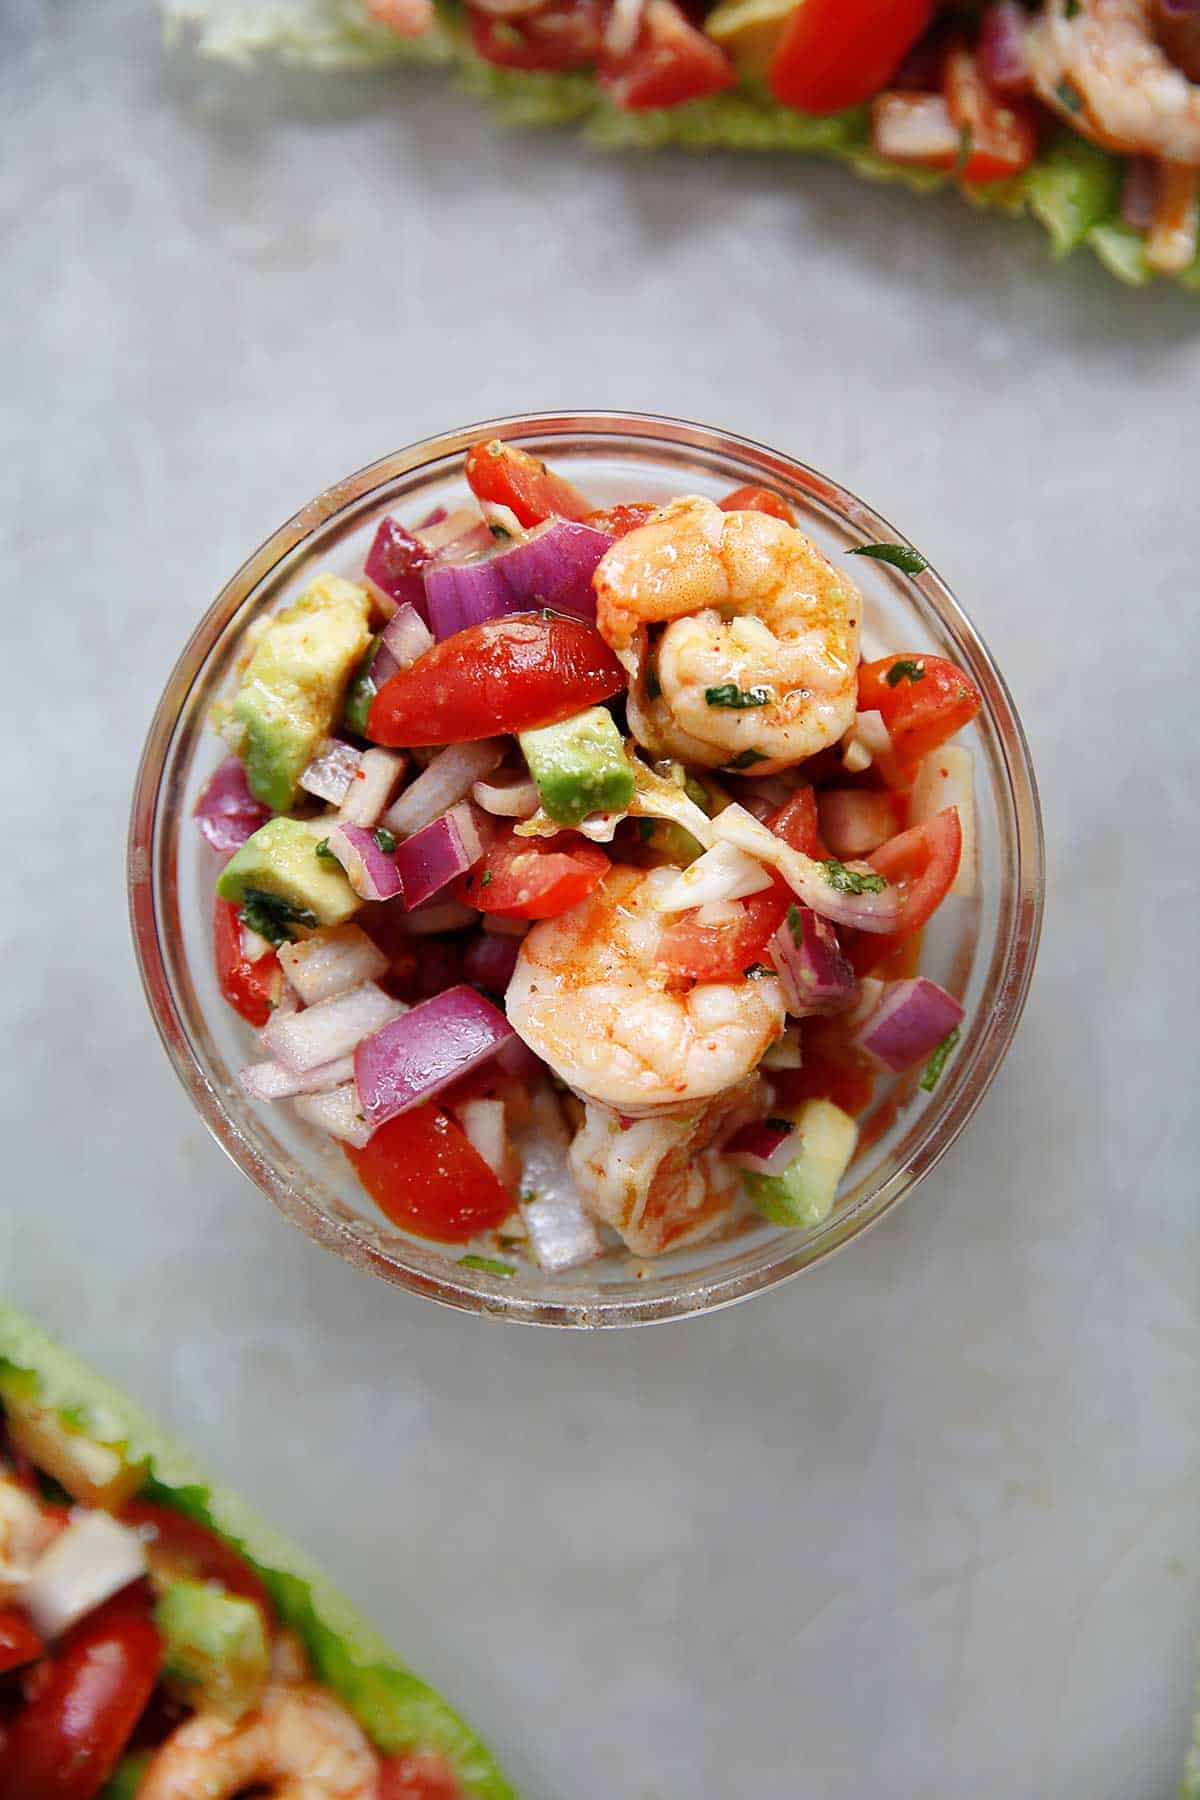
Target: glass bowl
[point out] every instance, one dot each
(983, 949)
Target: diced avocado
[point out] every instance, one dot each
(749, 30)
(1071, 187)
(669, 840)
(291, 692)
(215, 1651)
(126, 1783)
(804, 1194)
(281, 881)
(580, 766)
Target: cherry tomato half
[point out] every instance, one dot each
(251, 988)
(725, 952)
(19, 1642)
(756, 499)
(510, 477)
(422, 1170)
(838, 53)
(533, 878)
(619, 521)
(999, 133)
(923, 701)
(422, 1777)
(922, 862)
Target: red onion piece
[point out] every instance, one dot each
(551, 567)
(519, 1061)
(808, 959)
(766, 1147)
(330, 773)
(371, 872)
(1139, 194)
(416, 1056)
(406, 636)
(877, 911)
(855, 821)
(1003, 53)
(371, 787)
(331, 961)
(439, 966)
(909, 1023)
(320, 1034)
(227, 812)
(430, 859)
(273, 1081)
(490, 961)
(448, 778)
(395, 563)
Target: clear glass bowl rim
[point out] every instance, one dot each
(151, 870)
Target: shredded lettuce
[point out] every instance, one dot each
(396, 1709)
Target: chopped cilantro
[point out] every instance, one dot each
(485, 878)
(489, 1264)
(937, 1062)
(498, 531)
(852, 881)
(746, 760)
(385, 840)
(904, 670)
(1069, 96)
(324, 852)
(271, 916)
(756, 970)
(794, 923)
(730, 694)
(901, 556)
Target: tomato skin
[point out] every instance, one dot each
(251, 988)
(838, 53)
(509, 476)
(1001, 131)
(619, 521)
(422, 1777)
(670, 62)
(504, 675)
(421, 1169)
(920, 715)
(725, 952)
(19, 1642)
(65, 1743)
(187, 1546)
(756, 499)
(533, 878)
(922, 860)
(797, 824)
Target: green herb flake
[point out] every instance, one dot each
(385, 840)
(498, 531)
(324, 852)
(485, 878)
(1068, 95)
(776, 1124)
(272, 916)
(937, 1062)
(900, 556)
(794, 923)
(852, 881)
(904, 670)
(746, 760)
(731, 695)
(490, 1265)
(756, 970)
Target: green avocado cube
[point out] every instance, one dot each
(215, 1651)
(280, 879)
(804, 1194)
(126, 1782)
(579, 765)
(292, 691)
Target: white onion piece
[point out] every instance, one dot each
(332, 961)
(624, 23)
(657, 798)
(786, 1052)
(914, 128)
(322, 1033)
(600, 828)
(484, 1124)
(450, 776)
(945, 778)
(496, 515)
(561, 1232)
(89, 1562)
(807, 878)
(870, 993)
(254, 945)
(272, 1081)
(437, 916)
(330, 773)
(371, 786)
(339, 1112)
(855, 821)
(722, 873)
(512, 799)
(463, 522)
(407, 636)
(869, 742)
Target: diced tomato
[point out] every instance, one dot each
(669, 62)
(922, 862)
(422, 1171)
(619, 521)
(756, 499)
(509, 476)
(923, 700)
(725, 952)
(187, 1548)
(833, 1069)
(533, 878)
(65, 1743)
(19, 1642)
(999, 133)
(563, 35)
(251, 988)
(503, 675)
(796, 823)
(417, 1778)
(838, 53)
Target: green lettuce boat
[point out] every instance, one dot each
(398, 1711)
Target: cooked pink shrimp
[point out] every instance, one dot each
(758, 655)
(1099, 63)
(300, 1744)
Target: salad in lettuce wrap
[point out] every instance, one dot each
(158, 1642)
(1083, 113)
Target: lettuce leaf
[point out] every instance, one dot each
(396, 1709)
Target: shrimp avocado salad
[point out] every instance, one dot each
(574, 866)
(1083, 113)
(158, 1642)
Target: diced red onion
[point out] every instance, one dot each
(507, 799)
(395, 563)
(320, 1034)
(378, 776)
(562, 1233)
(909, 1023)
(1180, 9)
(330, 773)
(808, 959)
(416, 1056)
(913, 128)
(339, 1112)
(331, 962)
(406, 636)
(1003, 50)
(272, 1081)
(855, 821)
(438, 853)
(371, 872)
(227, 812)
(490, 961)
(551, 567)
(449, 777)
(808, 879)
(923, 65)
(439, 966)
(1139, 194)
(437, 916)
(767, 1147)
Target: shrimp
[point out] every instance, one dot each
(1101, 66)
(757, 662)
(661, 1181)
(587, 996)
(300, 1744)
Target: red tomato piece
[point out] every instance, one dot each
(422, 1171)
(669, 62)
(796, 823)
(190, 1549)
(422, 1777)
(563, 35)
(65, 1743)
(725, 952)
(533, 878)
(838, 53)
(503, 675)
(999, 134)
(251, 988)
(922, 862)
(619, 521)
(756, 499)
(923, 700)
(510, 477)
(19, 1642)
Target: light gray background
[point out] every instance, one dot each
(923, 1523)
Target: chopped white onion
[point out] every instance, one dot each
(722, 873)
(451, 775)
(809, 880)
(254, 945)
(657, 798)
(463, 522)
(502, 516)
(561, 1231)
(372, 786)
(272, 1081)
(484, 1124)
(512, 799)
(621, 30)
(330, 773)
(946, 777)
(332, 961)
(89, 1562)
(321, 1034)
(600, 828)
(339, 1112)
(786, 1052)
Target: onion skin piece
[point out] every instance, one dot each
(909, 1023)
